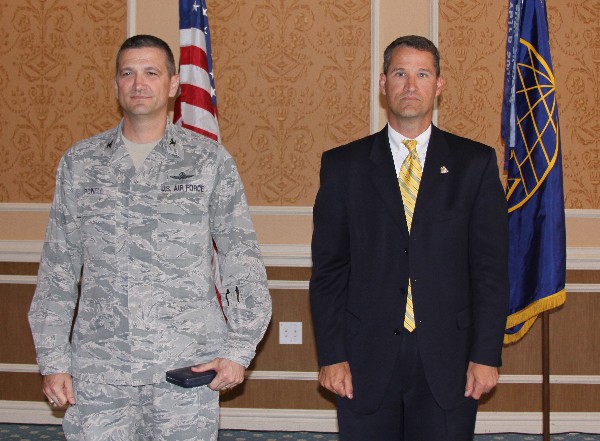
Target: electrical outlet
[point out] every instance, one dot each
(290, 333)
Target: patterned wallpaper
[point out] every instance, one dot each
(292, 80)
(56, 86)
(472, 44)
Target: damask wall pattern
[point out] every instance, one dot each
(56, 86)
(472, 37)
(292, 80)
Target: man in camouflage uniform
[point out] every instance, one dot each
(138, 208)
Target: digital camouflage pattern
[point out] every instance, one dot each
(171, 413)
(144, 240)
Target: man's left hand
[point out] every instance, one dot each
(229, 373)
(480, 380)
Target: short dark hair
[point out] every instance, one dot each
(141, 41)
(416, 42)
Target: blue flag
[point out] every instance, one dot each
(536, 215)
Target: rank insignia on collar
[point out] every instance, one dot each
(443, 169)
(181, 176)
(109, 145)
(172, 142)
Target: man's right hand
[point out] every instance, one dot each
(338, 379)
(58, 388)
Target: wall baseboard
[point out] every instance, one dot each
(25, 412)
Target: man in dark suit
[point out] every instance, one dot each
(409, 299)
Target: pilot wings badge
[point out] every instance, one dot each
(181, 176)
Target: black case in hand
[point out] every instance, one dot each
(185, 377)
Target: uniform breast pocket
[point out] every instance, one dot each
(183, 230)
(98, 225)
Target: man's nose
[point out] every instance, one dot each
(411, 82)
(139, 82)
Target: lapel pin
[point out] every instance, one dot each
(443, 169)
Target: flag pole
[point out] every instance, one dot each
(546, 375)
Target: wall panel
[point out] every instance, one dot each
(288, 306)
(17, 344)
(472, 41)
(56, 73)
(279, 394)
(21, 386)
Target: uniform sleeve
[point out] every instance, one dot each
(53, 305)
(244, 292)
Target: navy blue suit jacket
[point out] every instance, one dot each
(456, 256)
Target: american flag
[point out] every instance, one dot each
(196, 105)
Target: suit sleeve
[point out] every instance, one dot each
(331, 263)
(488, 261)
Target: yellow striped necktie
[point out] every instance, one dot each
(409, 179)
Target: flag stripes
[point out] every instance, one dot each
(196, 104)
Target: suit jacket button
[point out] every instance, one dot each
(405, 250)
(397, 331)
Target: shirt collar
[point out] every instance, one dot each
(396, 138)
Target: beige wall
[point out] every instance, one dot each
(471, 41)
(56, 86)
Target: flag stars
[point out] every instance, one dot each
(195, 7)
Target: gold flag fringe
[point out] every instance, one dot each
(529, 314)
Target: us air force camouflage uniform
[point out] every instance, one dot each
(144, 240)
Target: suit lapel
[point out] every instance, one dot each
(385, 180)
(437, 163)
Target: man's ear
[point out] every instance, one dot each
(440, 86)
(174, 85)
(382, 79)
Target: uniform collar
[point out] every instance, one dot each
(170, 142)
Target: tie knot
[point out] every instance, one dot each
(411, 144)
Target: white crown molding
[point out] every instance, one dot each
(286, 255)
(583, 258)
(20, 207)
(313, 376)
(19, 368)
(20, 250)
(531, 422)
(131, 16)
(374, 101)
(275, 210)
(434, 37)
(282, 375)
(26, 412)
(292, 285)
(582, 288)
(268, 210)
(17, 280)
(296, 255)
(298, 285)
(554, 379)
(571, 213)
